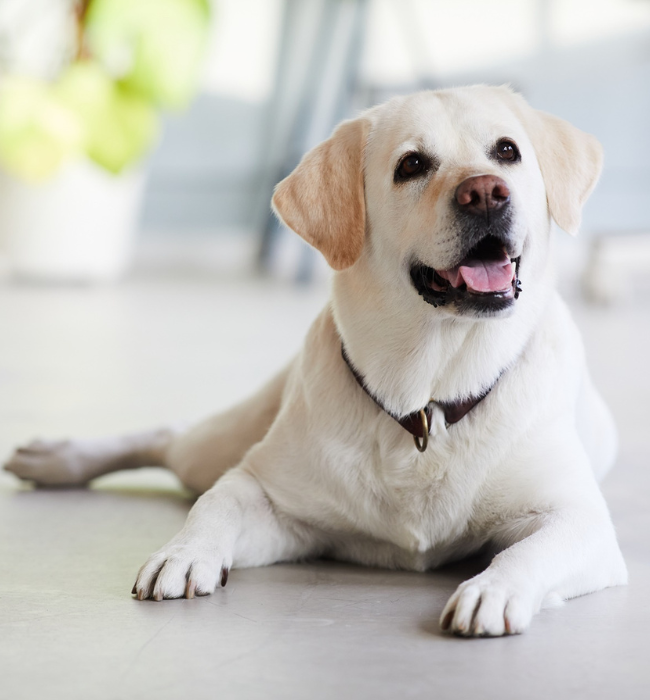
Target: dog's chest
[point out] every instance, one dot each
(385, 490)
(426, 499)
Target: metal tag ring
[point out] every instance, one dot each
(422, 446)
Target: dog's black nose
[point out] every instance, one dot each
(482, 194)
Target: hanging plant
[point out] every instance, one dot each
(131, 59)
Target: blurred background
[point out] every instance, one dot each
(141, 271)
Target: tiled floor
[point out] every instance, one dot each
(97, 361)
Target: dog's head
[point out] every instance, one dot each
(444, 192)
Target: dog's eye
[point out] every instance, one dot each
(507, 150)
(411, 165)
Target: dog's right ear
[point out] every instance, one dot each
(323, 199)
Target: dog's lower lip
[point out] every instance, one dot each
(502, 294)
(437, 287)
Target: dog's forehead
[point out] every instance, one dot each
(448, 123)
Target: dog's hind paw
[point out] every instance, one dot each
(50, 463)
(484, 607)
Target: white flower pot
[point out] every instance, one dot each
(78, 227)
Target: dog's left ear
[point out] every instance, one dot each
(323, 199)
(570, 161)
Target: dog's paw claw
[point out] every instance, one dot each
(445, 622)
(190, 589)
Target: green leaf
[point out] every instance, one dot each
(119, 126)
(38, 131)
(154, 46)
(127, 130)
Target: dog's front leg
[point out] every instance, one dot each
(231, 524)
(567, 552)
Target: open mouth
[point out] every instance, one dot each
(485, 280)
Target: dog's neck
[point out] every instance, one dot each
(409, 352)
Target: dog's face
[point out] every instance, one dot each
(453, 190)
(445, 193)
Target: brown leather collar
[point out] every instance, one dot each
(454, 410)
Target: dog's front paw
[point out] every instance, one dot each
(183, 568)
(487, 607)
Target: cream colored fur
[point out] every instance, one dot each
(324, 470)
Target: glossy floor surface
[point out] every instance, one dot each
(147, 353)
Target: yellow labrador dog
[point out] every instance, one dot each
(440, 404)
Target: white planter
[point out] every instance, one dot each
(78, 227)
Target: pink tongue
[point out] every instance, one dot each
(482, 275)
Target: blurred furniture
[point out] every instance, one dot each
(315, 87)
